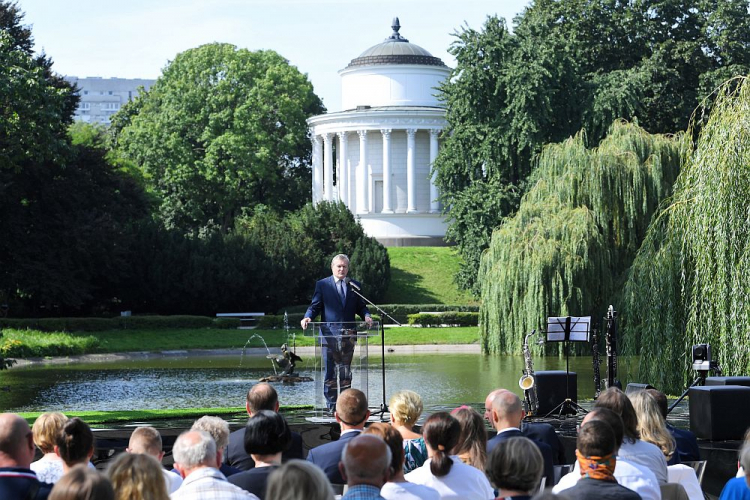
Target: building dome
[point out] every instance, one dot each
(394, 72)
(395, 50)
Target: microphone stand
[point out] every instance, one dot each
(354, 288)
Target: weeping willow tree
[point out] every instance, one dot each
(690, 282)
(577, 230)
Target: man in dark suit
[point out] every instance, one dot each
(686, 442)
(261, 396)
(335, 302)
(352, 414)
(504, 411)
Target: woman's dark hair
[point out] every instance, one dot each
(441, 432)
(616, 400)
(267, 433)
(75, 441)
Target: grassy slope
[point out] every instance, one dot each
(424, 275)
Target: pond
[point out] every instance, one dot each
(182, 381)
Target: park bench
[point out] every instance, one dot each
(247, 320)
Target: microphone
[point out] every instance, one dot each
(352, 284)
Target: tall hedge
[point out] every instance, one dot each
(575, 234)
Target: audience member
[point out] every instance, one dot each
(137, 476)
(633, 448)
(545, 433)
(443, 472)
(219, 430)
(596, 449)
(548, 495)
(406, 408)
(46, 427)
(651, 425)
(17, 480)
(472, 444)
(352, 414)
(686, 442)
(515, 468)
(298, 479)
(504, 411)
(75, 443)
(738, 488)
(261, 396)
(267, 435)
(398, 488)
(745, 441)
(147, 441)
(365, 465)
(197, 460)
(82, 482)
(631, 475)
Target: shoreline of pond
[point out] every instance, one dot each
(251, 351)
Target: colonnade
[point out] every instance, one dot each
(353, 180)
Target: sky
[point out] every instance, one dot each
(137, 38)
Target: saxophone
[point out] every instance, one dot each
(527, 382)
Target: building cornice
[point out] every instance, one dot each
(391, 117)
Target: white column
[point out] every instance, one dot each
(317, 160)
(362, 179)
(387, 209)
(434, 204)
(328, 166)
(342, 181)
(411, 173)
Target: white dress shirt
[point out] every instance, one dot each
(633, 476)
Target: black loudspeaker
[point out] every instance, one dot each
(634, 387)
(744, 381)
(720, 412)
(550, 389)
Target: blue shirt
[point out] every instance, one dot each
(735, 489)
(363, 492)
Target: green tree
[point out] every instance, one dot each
(568, 248)
(221, 131)
(572, 65)
(688, 284)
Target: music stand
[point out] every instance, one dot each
(568, 329)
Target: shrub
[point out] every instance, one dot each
(452, 318)
(226, 323)
(371, 265)
(35, 343)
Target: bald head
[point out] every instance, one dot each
(506, 411)
(262, 396)
(366, 459)
(16, 441)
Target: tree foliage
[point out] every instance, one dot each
(222, 130)
(688, 284)
(576, 232)
(570, 65)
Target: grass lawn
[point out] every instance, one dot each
(424, 275)
(161, 340)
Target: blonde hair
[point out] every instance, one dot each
(45, 430)
(145, 439)
(651, 424)
(137, 476)
(298, 479)
(406, 407)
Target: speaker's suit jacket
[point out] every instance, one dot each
(326, 302)
(549, 470)
(327, 456)
(236, 456)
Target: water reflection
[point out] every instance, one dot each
(220, 381)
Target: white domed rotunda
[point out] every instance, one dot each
(376, 155)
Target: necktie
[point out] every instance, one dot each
(341, 291)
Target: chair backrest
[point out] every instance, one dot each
(560, 471)
(542, 482)
(673, 491)
(700, 469)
